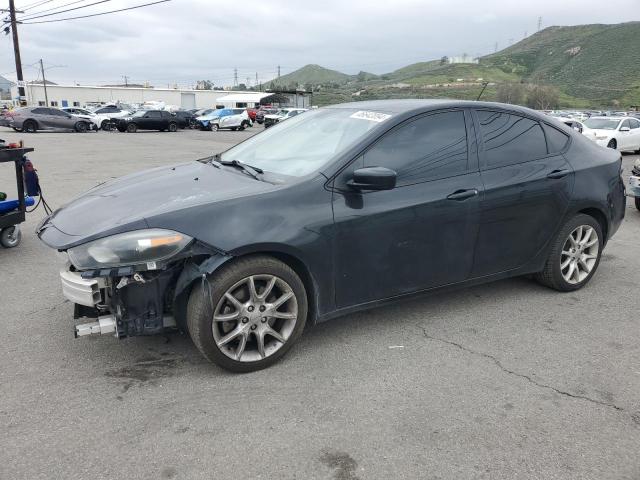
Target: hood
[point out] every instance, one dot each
(128, 203)
(599, 132)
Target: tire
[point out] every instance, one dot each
(30, 126)
(214, 127)
(554, 275)
(233, 129)
(248, 325)
(637, 199)
(132, 128)
(173, 127)
(17, 129)
(81, 127)
(612, 144)
(10, 237)
(105, 125)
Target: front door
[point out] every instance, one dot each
(527, 188)
(420, 234)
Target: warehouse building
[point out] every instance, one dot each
(80, 95)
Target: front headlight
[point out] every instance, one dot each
(130, 248)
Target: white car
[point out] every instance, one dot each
(231, 118)
(84, 113)
(577, 125)
(282, 115)
(621, 133)
(107, 112)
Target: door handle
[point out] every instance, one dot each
(559, 173)
(462, 194)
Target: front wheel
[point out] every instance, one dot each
(574, 256)
(105, 125)
(30, 126)
(173, 127)
(612, 144)
(214, 127)
(248, 314)
(132, 128)
(81, 127)
(10, 237)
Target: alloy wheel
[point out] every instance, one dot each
(579, 254)
(255, 318)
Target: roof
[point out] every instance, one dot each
(244, 97)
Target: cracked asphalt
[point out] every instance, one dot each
(503, 381)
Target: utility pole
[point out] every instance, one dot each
(126, 80)
(256, 79)
(495, 47)
(16, 52)
(235, 77)
(44, 83)
(539, 23)
(278, 71)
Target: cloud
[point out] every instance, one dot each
(185, 40)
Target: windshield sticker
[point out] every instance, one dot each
(371, 116)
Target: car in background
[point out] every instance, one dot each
(252, 112)
(232, 119)
(185, 118)
(282, 115)
(108, 112)
(147, 120)
(203, 122)
(577, 125)
(634, 183)
(619, 133)
(262, 111)
(32, 119)
(95, 119)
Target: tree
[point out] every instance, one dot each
(204, 85)
(242, 87)
(543, 97)
(444, 60)
(513, 93)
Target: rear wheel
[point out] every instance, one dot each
(214, 127)
(132, 128)
(574, 256)
(249, 313)
(81, 127)
(30, 126)
(10, 237)
(173, 127)
(105, 125)
(612, 144)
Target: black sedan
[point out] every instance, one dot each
(338, 210)
(185, 118)
(147, 120)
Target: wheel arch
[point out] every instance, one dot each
(600, 217)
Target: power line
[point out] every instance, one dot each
(51, 9)
(35, 4)
(97, 14)
(69, 9)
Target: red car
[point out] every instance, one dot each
(252, 113)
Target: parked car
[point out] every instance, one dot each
(232, 119)
(577, 125)
(185, 118)
(95, 119)
(32, 119)
(620, 133)
(109, 112)
(147, 120)
(252, 113)
(634, 183)
(282, 115)
(203, 122)
(338, 210)
(262, 111)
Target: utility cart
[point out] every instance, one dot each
(13, 212)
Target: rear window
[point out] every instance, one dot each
(556, 140)
(510, 139)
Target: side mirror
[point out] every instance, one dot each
(625, 129)
(373, 178)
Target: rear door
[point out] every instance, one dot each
(634, 124)
(527, 188)
(152, 120)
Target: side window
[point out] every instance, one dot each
(634, 123)
(40, 111)
(626, 124)
(430, 147)
(154, 115)
(58, 113)
(556, 140)
(509, 139)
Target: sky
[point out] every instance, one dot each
(181, 41)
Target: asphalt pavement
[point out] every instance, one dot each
(508, 380)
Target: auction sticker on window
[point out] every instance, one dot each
(371, 116)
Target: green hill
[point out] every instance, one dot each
(600, 63)
(591, 65)
(314, 74)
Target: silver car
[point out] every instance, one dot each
(32, 119)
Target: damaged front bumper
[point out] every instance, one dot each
(634, 181)
(131, 301)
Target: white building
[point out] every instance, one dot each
(78, 96)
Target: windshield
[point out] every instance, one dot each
(304, 143)
(602, 123)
